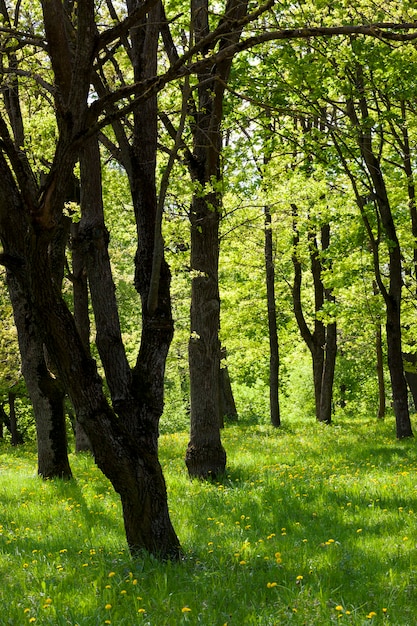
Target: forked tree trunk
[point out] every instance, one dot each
(322, 342)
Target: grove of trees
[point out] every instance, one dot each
(198, 194)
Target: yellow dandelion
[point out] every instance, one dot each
(271, 585)
(123, 592)
(339, 607)
(185, 609)
(299, 577)
(107, 607)
(111, 574)
(371, 615)
(141, 611)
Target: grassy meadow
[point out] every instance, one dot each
(310, 525)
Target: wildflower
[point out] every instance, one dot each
(299, 577)
(112, 574)
(32, 619)
(371, 615)
(242, 562)
(185, 609)
(141, 611)
(108, 607)
(384, 610)
(339, 607)
(123, 592)
(271, 585)
(359, 530)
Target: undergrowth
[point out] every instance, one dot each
(311, 524)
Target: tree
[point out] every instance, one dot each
(205, 455)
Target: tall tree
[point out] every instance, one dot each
(205, 454)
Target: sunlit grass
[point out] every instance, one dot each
(310, 525)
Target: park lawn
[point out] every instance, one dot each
(311, 524)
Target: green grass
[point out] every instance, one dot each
(311, 525)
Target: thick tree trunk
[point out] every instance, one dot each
(45, 392)
(205, 454)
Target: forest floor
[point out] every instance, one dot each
(311, 524)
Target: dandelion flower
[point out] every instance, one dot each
(108, 607)
(299, 577)
(371, 615)
(141, 611)
(271, 585)
(339, 607)
(185, 609)
(111, 574)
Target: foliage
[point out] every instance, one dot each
(310, 525)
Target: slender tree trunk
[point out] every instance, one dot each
(392, 295)
(272, 322)
(227, 402)
(322, 342)
(380, 373)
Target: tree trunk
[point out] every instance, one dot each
(380, 373)
(272, 323)
(396, 368)
(392, 295)
(227, 402)
(81, 316)
(322, 342)
(45, 392)
(205, 454)
(14, 431)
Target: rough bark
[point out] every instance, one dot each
(45, 391)
(205, 454)
(123, 437)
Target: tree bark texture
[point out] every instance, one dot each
(205, 454)
(123, 436)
